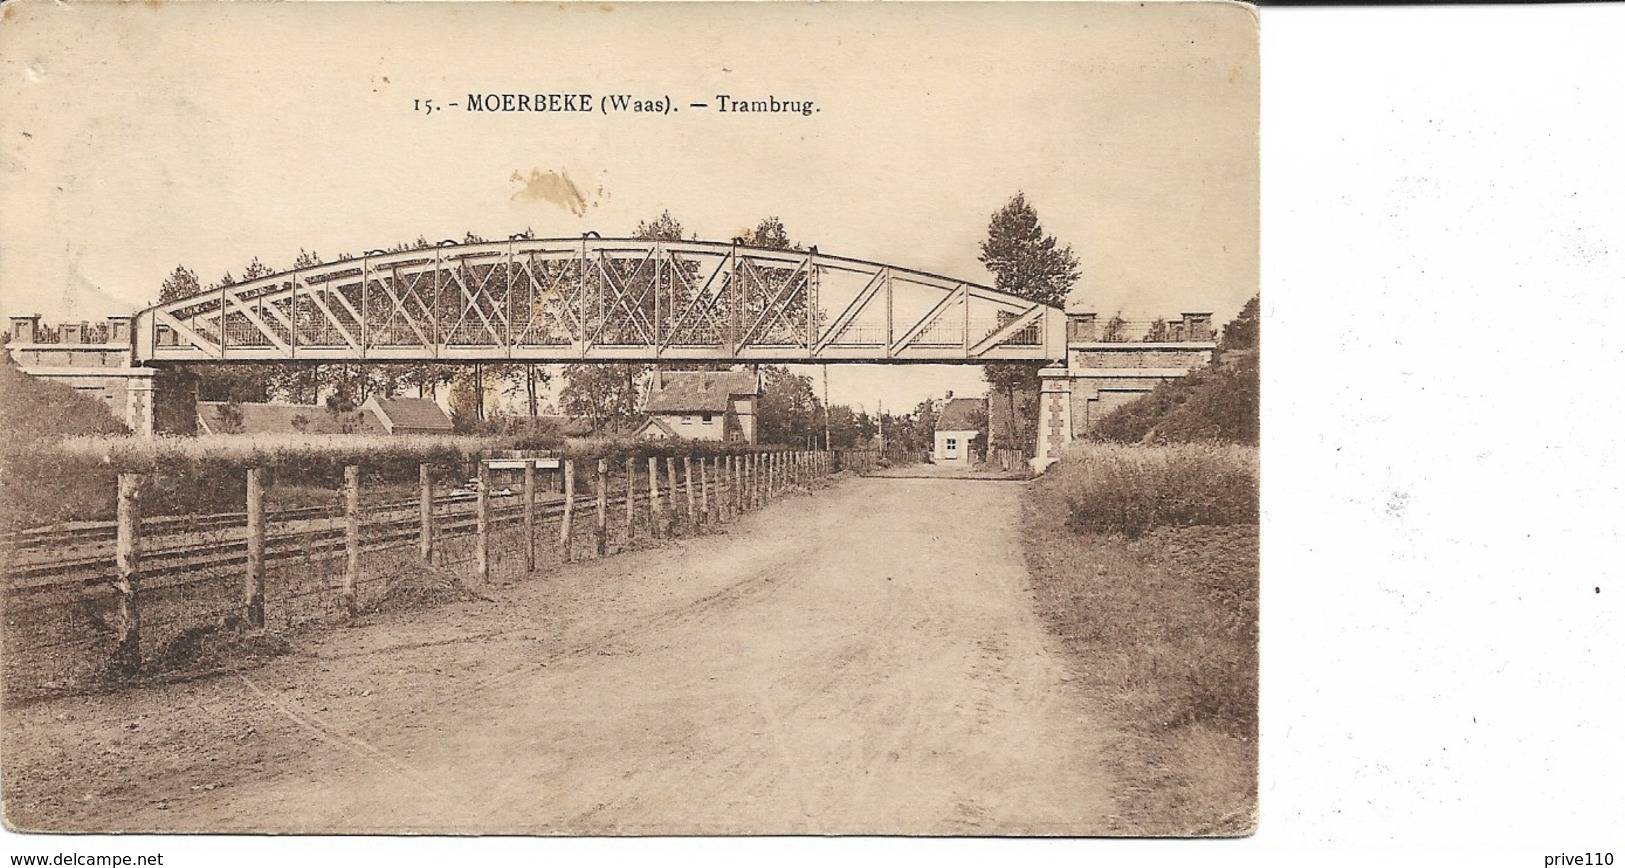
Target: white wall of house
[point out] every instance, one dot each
(954, 447)
(695, 426)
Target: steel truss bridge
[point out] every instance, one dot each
(600, 299)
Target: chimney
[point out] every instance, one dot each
(25, 329)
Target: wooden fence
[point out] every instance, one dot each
(677, 496)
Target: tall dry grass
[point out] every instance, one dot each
(1132, 490)
(1145, 564)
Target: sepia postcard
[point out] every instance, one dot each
(637, 419)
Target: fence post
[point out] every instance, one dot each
(425, 515)
(566, 530)
(630, 491)
(352, 537)
(723, 467)
(654, 497)
(740, 503)
(482, 522)
(530, 516)
(254, 581)
(603, 506)
(127, 654)
(705, 491)
(688, 488)
(728, 493)
(671, 494)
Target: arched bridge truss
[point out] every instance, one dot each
(623, 300)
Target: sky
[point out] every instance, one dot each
(138, 137)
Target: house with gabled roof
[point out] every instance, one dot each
(960, 424)
(702, 405)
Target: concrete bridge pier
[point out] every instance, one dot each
(1108, 365)
(1054, 412)
(93, 360)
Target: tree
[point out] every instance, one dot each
(1242, 332)
(607, 394)
(1116, 330)
(788, 411)
(662, 228)
(1024, 261)
(181, 283)
(849, 429)
(1015, 389)
(1027, 263)
(770, 233)
(468, 389)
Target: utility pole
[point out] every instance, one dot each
(826, 406)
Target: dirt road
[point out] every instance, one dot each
(864, 660)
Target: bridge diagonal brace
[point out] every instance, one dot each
(550, 290)
(399, 305)
(248, 313)
(207, 345)
(1004, 333)
(853, 310)
(621, 294)
(706, 297)
(957, 295)
(315, 297)
(472, 304)
(782, 295)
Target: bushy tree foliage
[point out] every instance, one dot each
(788, 411)
(770, 233)
(181, 283)
(1242, 332)
(606, 394)
(1024, 261)
(849, 429)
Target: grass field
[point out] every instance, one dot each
(1163, 626)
